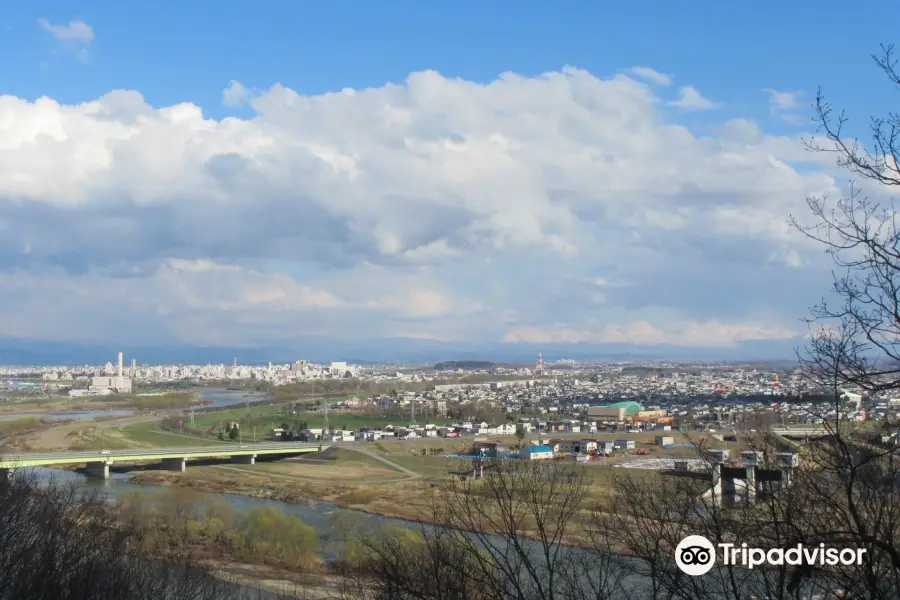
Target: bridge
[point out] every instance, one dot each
(172, 459)
(814, 431)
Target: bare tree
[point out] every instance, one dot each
(58, 541)
(857, 342)
(519, 532)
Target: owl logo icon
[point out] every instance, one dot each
(695, 555)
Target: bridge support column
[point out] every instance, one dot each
(751, 489)
(174, 464)
(246, 459)
(717, 480)
(6, 476)
(729, 487)
(98, 470)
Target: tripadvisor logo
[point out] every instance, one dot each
(695, 555)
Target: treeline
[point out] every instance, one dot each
(179, 520)
(62, 543)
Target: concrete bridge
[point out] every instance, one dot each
(801, 432)
(172, 459)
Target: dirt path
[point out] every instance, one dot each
(57, 438)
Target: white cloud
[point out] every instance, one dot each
(439, 208)
(783, 100)
(652, 75)
(785, 105)
(708, 334)
(689, 98)
(236, 94)
(74, 37)
(74, 31)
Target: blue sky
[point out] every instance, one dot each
(177, 51)
(442, 210)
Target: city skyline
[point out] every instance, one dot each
(447, 194)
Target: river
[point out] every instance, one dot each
(319, 516)
(77, 415)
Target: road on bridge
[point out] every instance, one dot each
(86, 456)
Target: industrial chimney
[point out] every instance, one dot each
(120, 364)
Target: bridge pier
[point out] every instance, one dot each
(6, 476)
(174, 464)
(751, 489)
(244, 459)
(98, 470)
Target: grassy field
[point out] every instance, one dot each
(333, 465)
(266, 418)
(19, 426)
(353, 480)
(134, 402)
(150, 434)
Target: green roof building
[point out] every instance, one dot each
(617, 410)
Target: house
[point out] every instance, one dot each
(506, 429)
(278, 434)
(606, 447)
(626, 444)
(524, 427)
(587, 446)
(664, 440)
(491, 449)
(536, 452)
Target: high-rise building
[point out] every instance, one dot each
(119, 383)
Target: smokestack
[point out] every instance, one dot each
(120, 364)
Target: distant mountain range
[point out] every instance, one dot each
(388, 351)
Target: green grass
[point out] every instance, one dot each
(99, 444)
(150, 433)
(432, 467)
(18, 426)
(175, 399)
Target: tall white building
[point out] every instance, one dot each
(338, 369)
(118, 383)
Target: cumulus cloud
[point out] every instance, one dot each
(652, 75)
(236, 94)
(437, 208)
(691, 99)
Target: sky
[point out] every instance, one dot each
(511, 176)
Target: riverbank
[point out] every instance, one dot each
(386, 492)
(168, 400)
